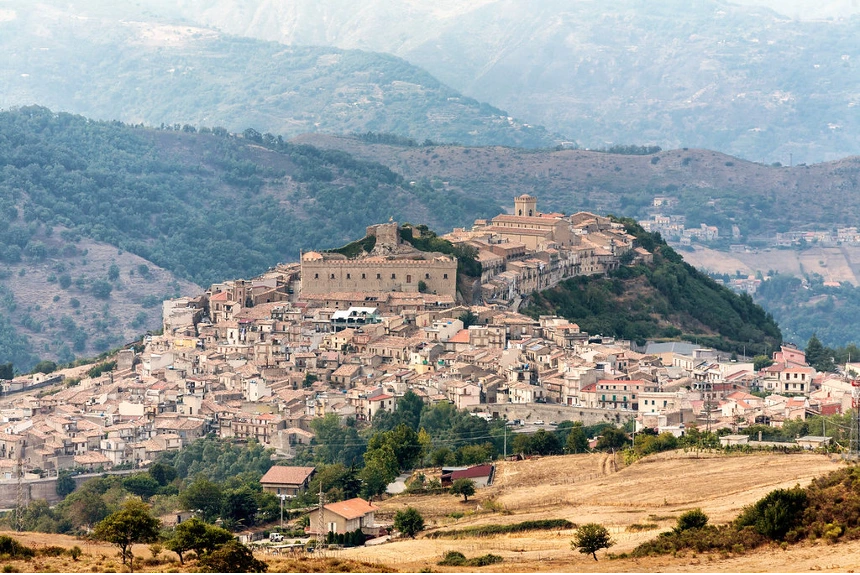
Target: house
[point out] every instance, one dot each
(289, 481)
(813, 441)
(347, 516)
(482, 475)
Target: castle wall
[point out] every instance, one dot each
(326, 276)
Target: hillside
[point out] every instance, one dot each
(743, 79)
(710, 187)
(203, 206)
(139, 68)
(666, 299)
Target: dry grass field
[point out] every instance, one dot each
(838, 264)
(635, 503)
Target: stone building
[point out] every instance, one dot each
(392, 267)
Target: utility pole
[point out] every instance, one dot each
(321, 520)
(283, 496)
(505, 451)
(19, 493)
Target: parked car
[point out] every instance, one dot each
(276, 537)
(539, 422)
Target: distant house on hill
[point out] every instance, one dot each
(482, 475)
(289, 481)
(347, 516)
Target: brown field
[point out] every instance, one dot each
(580, 488)
(839, 264)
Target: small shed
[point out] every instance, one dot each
(729, 440)
(813, 441)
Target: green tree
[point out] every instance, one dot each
(591, 538)
(44, 366)
(195, 535)
(131, 524)
(205, 496)
(65, 484)
(141, 484)
(468, 318)
(162, 473)
(232, 557)
(408, 521)
(113, 272)
(239, 505)
(612, 438)
(577, 439)
(761, 361)
(7, 372)
(692, 519)
(464, 487)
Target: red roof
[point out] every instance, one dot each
(281, 474)
(461, 336)
(220, 296)
(472, 472)
(351, 508)
(380, 397)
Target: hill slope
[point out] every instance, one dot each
(710, 187)
(740, 79)
(148, 69)
(664, 299)
(203, 206)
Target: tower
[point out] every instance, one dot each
(525, 205)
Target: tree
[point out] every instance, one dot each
(7, 372)
(197, 536)
(162, 473)
(464, 487)
(113, 272)
(205, 496)
(45, 366)
(141, 484)
(692, 519)
(240, 505)
(612, 438)
(577, 439)
(232, 557)
(101, 289)
(591, 538)
(131, 524)
(761, 361)
(65, 484)
(468, 318)
(408, 521)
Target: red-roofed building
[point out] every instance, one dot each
(347, 516)
(482, 475)
(289, 481)
(382, 402)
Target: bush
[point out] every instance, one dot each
(693, 519)
(14, 550)
(75, 552)
(776, 513)
(453, 559)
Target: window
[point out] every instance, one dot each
(316, 276)
(426, 276)
(332, 276)
(394, 276)
(408, 278)
(364, 276)
(379, 276)
(444, 276)
(348, 276)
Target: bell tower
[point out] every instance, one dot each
(525, 205)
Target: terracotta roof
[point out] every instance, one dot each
(351, 508)
(461, 336)
(288, 475)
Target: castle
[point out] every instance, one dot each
(392, 266)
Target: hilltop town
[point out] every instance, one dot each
(349, 334)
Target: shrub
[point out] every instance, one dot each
(75, 552)
(776, 513)
(14, 550)
(453, 559)
(693, 519)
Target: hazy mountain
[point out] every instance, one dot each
(143, 68)
(744, 80)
